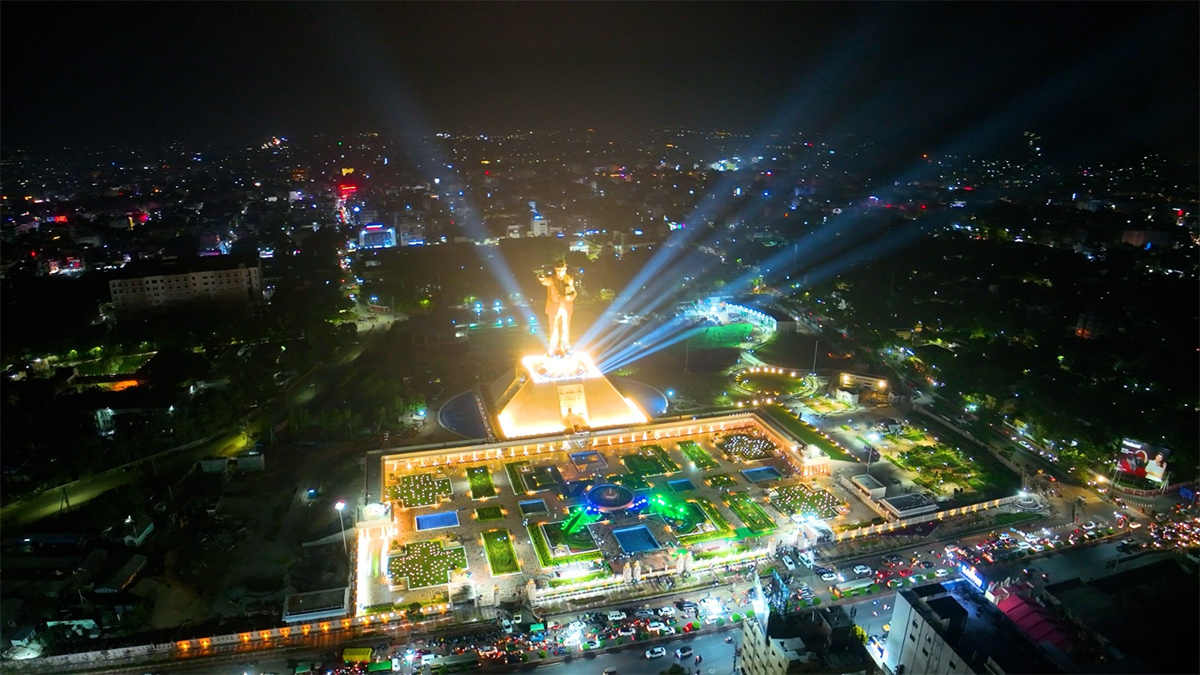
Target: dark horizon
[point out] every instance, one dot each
(959, 79)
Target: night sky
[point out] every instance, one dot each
(940, 77)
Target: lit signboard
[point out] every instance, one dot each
(972, 575)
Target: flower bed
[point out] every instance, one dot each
(546, 556)
(748, 448)
(808, 500)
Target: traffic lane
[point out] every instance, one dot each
(717, 653)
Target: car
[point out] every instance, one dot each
(828, 576)
(616, 615)
(711, 619)
(905, 572)
(862, 569)
(1024, 545)
(517, 618)
(592, 644)
(789, 563)
(688, 606)
(610, 671)
(1089, 525)
(485, 651)
(823, 570)
(892, 558)
(1038, 548)
(951, 548)
(577, 625)
(656, 652)
(683, 653)
(667, 630)
(644, 613)
(942, 573)
(626, 631)
(925, 565)
(506, 625)
(666, 611)
(655, 626)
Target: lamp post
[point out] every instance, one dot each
(341, 509)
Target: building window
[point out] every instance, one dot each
(953, 665)
(912, 637)
(925, 651)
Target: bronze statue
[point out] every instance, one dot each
(560, 301)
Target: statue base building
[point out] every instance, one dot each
(558, 394)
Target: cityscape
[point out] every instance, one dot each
(620, 338)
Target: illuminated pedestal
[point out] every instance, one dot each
(549, 395)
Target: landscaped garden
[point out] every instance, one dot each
(489, 513)
(705, 512)
(578, 541)
(422, 489)
(756, 520)
(807, 500)
(938, 465)
(500, 553)
(516, 478)
(770, 382)
(662, 455)
(721, 480)
(481, 482)
(425, 563)
(632, 481)
(697, 455)
(748, 448)
(546, 556)
(646, 463)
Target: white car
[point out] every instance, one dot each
(656, 626)
(828, 577)
(655, 653)
(667, 630)
(1089, 525)
(490, 649)
(577, 625)
(626, 631)
(942, 573)
(789, 563)
(1024, 545)
(710, 620)
(666, 611)
(862, 569)
(593, 644)
(616, 616)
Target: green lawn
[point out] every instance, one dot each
(632, 481)
(546, 556)
(514, 477)
(481, 482)
(580, 541)
(425, 563)
(809, 500)
(721, 528)
(644, 463)
(662, 455)
(721, 480)
(697, 455)
(756, 520)
(806, 434)
(749, 448)
(422, 489)
(500, 553)
(771, 384)
(489, 513)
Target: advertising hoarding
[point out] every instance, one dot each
(1143, 460)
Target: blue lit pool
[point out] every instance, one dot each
(681, 485)
(436, 521)
(635, 539)
(761, 474)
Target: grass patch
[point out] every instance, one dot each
(644, 463)
(514, 477)
(721, 528)
(426, 563)
(481, 482)
(500, 553)
(592, 576)
(697, 455)
(663, 457)
(546, 557)
(489, 513)
(632, 481)
(422, 489)
(721, 480)
(756, 520)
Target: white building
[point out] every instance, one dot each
(925, 623)
(163, 284)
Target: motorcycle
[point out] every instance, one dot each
(728, 639)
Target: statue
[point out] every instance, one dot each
(560, 301)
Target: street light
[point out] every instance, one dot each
(341, 509)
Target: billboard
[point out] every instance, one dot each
(1143, 460)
